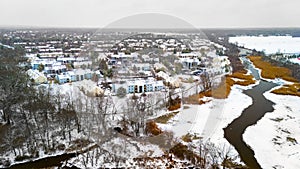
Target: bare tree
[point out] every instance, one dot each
(206, 81)
(225, 154)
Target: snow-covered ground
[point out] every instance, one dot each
(209, 119)
(125, 148)
(295, 60)
(7, 46)
(272, 138)
(269, 44)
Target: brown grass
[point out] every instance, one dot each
(152, 128)
(165, 118)
(293, 89)
(182, 152)
(270, 71)
(223, 90)
(192, 99)
(189, 137)
(174, 107)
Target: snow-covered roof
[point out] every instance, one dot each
(63, 76)
(82, 71)
(141, 82)
(34, 74)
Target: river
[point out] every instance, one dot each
(260, 106)
(52, 161)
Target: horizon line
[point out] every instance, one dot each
(138, 28)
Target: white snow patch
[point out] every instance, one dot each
(209, 119)
(269, 137)
(269, 44)
(295, 60)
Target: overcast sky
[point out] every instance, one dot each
(199, 13)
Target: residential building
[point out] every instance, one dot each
(36, 76)
(140, 85)
(63, 78)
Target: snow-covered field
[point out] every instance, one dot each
(275, 138)
(269, 44)
(208, 120)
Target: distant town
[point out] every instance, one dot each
(140, 63)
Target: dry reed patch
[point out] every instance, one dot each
(165, 118)
(222, 91)
(189, 137)
(293, 89)
(182, 152)
(224, 88)
(270, 71)
(152, 128)
(245, 79)
(174, 107)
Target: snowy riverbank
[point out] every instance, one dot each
(208, 120)
(277, 136)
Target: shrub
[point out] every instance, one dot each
(121, 92)
(182, 152)
(189, 137)
(174, 107)
(165, 118)
(152, 128)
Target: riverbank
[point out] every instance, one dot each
(279, 75)
(269, 71)
(276, 137)
(206, 121)
(276, 141)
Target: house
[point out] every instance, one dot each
(139, 85)
(50, 54)
(78, 64)
(167, 79)
(141, 66)
(82, 74)
(72, 76)
(36, 76)
(55, 68)
(65, 60)
(221, 64)
(142, 86)
(81, 61)
(63, 78)
(122, 56)
(35, 63)
(189, 60)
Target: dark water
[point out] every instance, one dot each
(52, 161)
(234, 131)
(44, 162)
